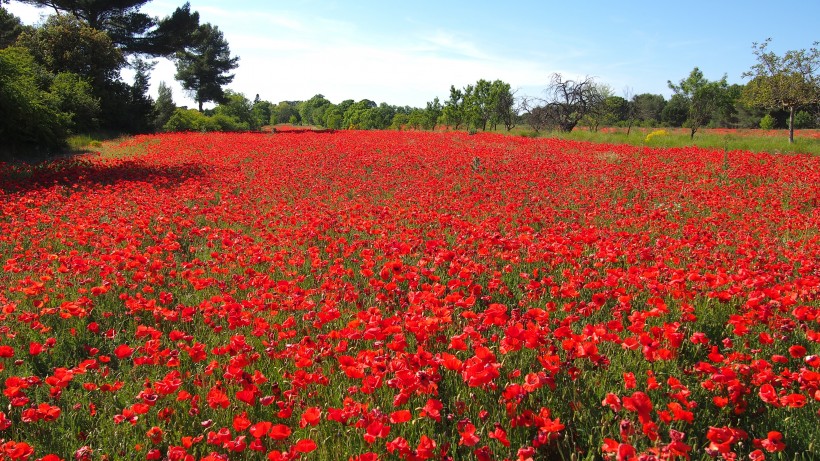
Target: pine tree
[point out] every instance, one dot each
(203, 69)
(164, 107)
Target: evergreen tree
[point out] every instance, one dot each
(132, 31)
(141, 104)
(203, 69)
(164, 107)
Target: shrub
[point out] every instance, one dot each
(767, 122)
(803, 120)
(29, 116)
(655, 134)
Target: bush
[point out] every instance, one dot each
(193, 120)
(803, 120)
(767, 122)
(654, 135)
(29, 115)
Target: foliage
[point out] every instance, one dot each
(283, 112)
(239, 108)
(767, 122)
(131, 31)
(29, 115)
(10, 28)
(66, 44)
(334, 118)
(186, 120)
(312, 111)
(702, 97)
(803, 120)
(140, 105)
(649, 108)
(453, 112)
(431, 114)
(203, 67)
(262, 111)
(789, 82)
(74, 98)
(164, 107)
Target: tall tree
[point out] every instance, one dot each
(648, 108)
(703, 96)
(203, 69)
(29, 116)
(786, 82)
(164, 107)
(502, 101)
(10, 28)
(141, 106)
(132, 31)
(312, 111)
(66, 44)
(431, 114)
(453, 111)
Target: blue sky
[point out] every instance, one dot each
(407, 53)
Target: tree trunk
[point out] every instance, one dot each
(791, 125)
(692, 134)
(200, 105)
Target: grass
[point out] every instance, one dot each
(772, 141)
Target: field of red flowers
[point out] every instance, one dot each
(409, 296)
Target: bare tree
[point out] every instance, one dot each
(630, 108)
(566, 103)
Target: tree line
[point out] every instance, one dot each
(64, 76)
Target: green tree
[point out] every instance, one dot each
(164, 107)
(140, 105)
(132, 31)
(334, 118)
(261, 111)
(675, 112)
(648, 108)
(601, 113)
(703, 96)
(453, 111)
(203, 68)
(239, 108)
(431, 114)
(66, 44)
(502, 99)
(73, 97)
(10, 28)
(312, 111)
(283, 111)
(29, 116)
(788, 82)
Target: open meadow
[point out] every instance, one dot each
(386, 295)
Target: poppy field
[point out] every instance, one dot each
(409, 296)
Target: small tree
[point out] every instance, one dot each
(453, 112)
(203, 69)
(704, 98)
(786, 82)
(164, 107)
